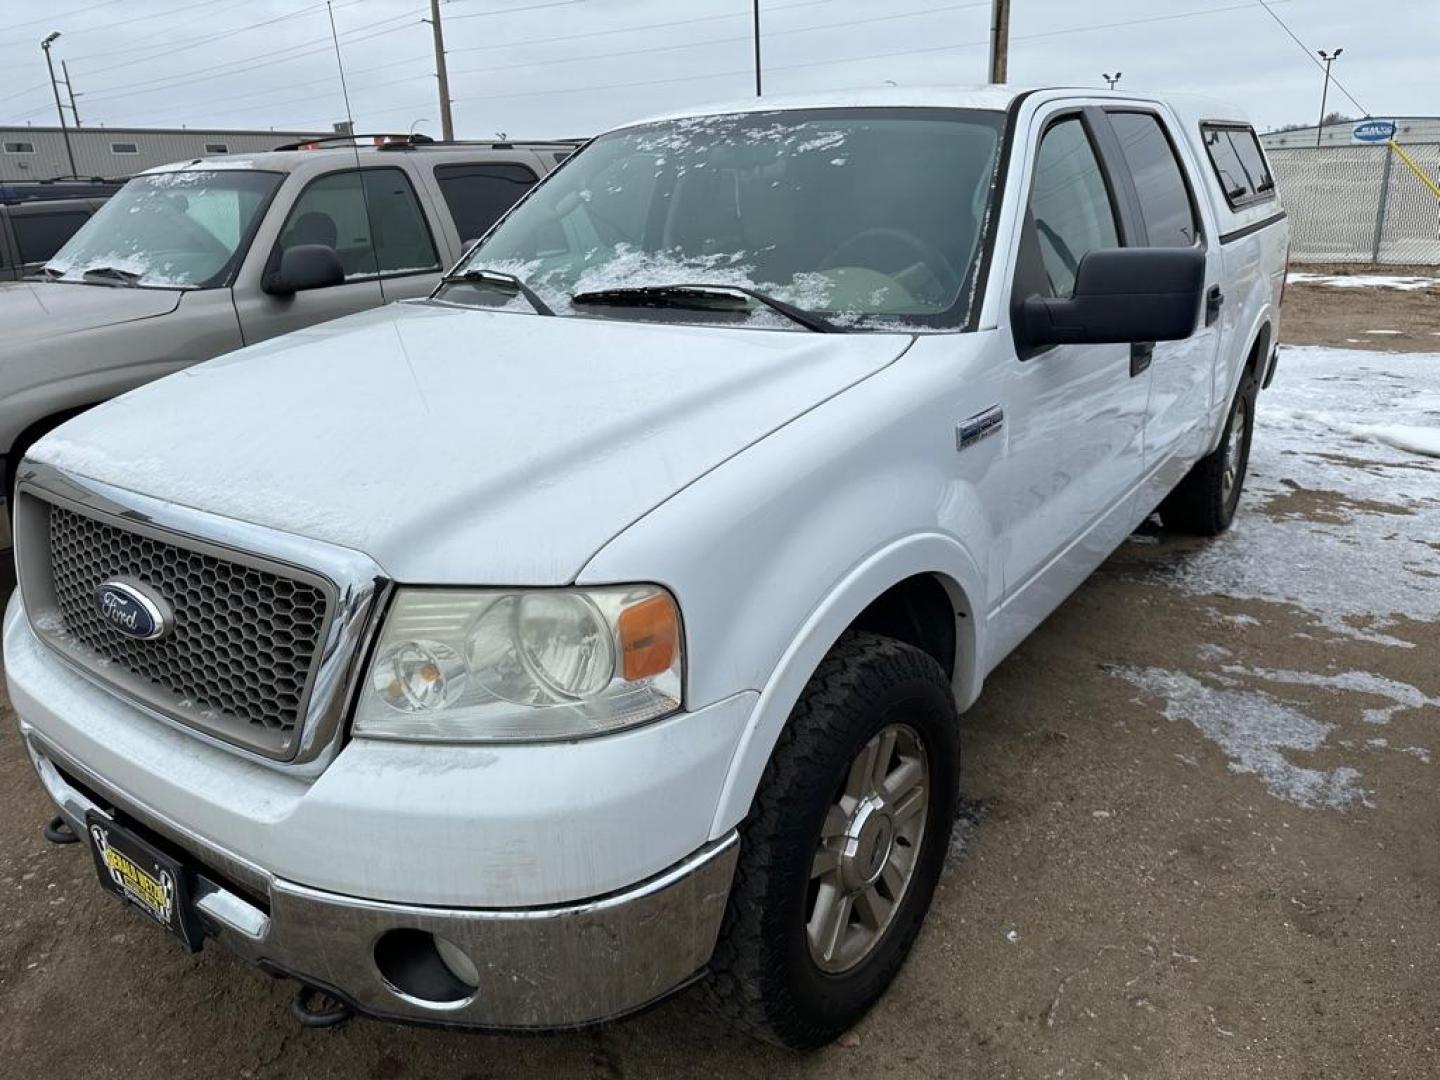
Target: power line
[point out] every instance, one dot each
(52, 18)
(865, 57)
(206, 39)
(729, 40)
(514, 10)
(250, 63)
(632, 29)
(165, 36)
(39, 87)
(1312, 58)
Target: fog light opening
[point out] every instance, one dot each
(426, 968)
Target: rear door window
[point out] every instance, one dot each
(1239, 163)
(477, 194)
(39, 236)
(370, 218)
(1165, 203)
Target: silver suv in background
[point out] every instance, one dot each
(195, 259)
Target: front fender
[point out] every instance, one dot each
(773, 555)
(928, 553)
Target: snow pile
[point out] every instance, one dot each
(1363, 281)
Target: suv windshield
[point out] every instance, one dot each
(872, 217)
(168, 230)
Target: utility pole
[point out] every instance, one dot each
(757, 48)
(64, 128)
(1329, 59)
(70, 89)
(1112, 79)
(999, 40)
(447, 125)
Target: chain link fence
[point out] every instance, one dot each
(1359, 204)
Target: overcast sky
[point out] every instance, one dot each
(547, 68)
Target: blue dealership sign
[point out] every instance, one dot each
(1373, 131)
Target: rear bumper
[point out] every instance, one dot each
(533, 968)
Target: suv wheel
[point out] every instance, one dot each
(843, 845)
(1204, 502)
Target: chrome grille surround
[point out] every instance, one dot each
(271, 628)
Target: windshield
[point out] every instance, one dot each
(870, 216)
(168, 230)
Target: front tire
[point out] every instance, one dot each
(843, 845)
(1204, 503)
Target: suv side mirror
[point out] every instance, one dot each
(1122, 295)
(304, 266)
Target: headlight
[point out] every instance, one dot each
(520, 665)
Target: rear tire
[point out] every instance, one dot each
(857, 801)
(1204, 503)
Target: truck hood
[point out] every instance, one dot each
(459, 445)
(35, 311)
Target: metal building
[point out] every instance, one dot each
(1408, 129)
(38, 153)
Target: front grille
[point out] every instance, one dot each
(240, 657)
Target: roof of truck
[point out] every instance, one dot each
(948, 97)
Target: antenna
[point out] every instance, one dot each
(359, 173)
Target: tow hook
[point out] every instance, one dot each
(316, 1008)
(58, 831)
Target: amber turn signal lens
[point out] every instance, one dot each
(649, 637)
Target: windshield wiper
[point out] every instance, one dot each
(501, 282)
(700, 295)
(49, 273)
(113, 273)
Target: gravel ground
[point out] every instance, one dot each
(1198, 837)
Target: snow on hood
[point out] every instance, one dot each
(36, 311)
(459, 445)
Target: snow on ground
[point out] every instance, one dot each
(1340, 519)
(1254, 729)
(1363, 281)
(1360, 430)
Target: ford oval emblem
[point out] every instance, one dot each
(134, 609)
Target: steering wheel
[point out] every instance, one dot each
(929, 268)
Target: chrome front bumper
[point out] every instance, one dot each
(534, 968)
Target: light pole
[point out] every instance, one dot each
(757, 49)
(1112, 79)
(64, 128)
(1329, 59)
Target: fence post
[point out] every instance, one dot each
(1380, 210)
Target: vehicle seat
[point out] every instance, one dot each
(312, 227)
(706, 219)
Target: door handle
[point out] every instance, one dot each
(1141, 353)
(1213, 299)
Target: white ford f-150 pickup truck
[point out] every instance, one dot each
(602, 623)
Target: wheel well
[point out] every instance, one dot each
(918, 611)
(32, 434)
(1255, 362)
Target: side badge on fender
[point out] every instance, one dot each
(980, 426)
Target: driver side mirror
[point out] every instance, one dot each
(302, 267)
(1122, 296)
